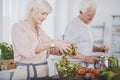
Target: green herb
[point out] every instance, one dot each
(6, 50)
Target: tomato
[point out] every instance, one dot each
(91, 70)
(97, 72)
(92, 75)
(81, 71)
(87, 70)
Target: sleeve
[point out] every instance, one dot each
(21, 42)
(70, 33)
(67, 33)
(54, 51)
(43, 36)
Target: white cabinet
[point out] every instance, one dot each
(98, 34)
(115, 35)
(6, 74)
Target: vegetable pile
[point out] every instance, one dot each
(110, 72)
(89, 73)
(66, 69)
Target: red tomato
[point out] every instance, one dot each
(97, 72)
(92, 75)
(81, 71)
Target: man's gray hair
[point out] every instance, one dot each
(84, 4)
(42, 5)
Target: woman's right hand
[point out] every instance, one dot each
(63, 45)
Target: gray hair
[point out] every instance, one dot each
(84, 4)
(42, 5)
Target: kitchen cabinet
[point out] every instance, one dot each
(6, 74)
(98, 34)
(115, 35)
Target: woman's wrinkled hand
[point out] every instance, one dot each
(63, 45)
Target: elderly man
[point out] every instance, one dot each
(79, 31)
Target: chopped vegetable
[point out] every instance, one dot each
(66, 69)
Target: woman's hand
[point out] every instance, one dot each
(63, 45)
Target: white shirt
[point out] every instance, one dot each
(80, 33)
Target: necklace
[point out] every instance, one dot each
(38, 38)
(37, 34)
(35, 30)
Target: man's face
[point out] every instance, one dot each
(89, 14)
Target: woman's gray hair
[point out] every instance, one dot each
(84, 4)
(42, 5)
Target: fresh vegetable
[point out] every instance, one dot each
(66, 69)
(73, 51)
(81, 71)
(97, 72)
(114, 62)
(89, 73)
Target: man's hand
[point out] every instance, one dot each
(90, 59)
(104, 49)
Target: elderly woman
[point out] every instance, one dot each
(31, 45)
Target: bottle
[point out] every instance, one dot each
(106, 61)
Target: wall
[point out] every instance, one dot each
(1, 19)
(63, 11)
(48, 24)
(60, 17)
(105, 9)
(66, 10)
(15, 10)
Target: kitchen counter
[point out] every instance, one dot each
(6, 74)
(78, 77)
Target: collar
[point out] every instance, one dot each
(82, 22)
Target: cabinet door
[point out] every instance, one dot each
(98, 34)
(6, 74)
(115, 34)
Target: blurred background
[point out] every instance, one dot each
(106, 23)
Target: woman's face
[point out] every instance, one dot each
(38, 16)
